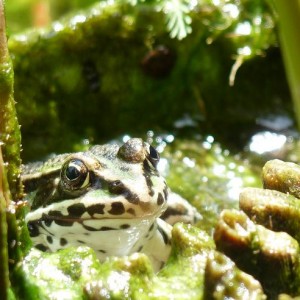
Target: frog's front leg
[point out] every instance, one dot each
(158, 244)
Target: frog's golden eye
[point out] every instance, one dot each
(153, 156)
(75, 174)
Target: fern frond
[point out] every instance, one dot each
(178, 20)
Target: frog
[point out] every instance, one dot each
(111, 198)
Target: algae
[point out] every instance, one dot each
(78, 274)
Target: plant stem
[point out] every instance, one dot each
(4, 269)
(289, 26)
(3, 41)
(4, 190)
(10, 184)
(10, 135)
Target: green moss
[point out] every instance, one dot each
(223, 280)
(265, 205)
(77, 273)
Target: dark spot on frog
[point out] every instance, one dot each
(117, 187)
(63, 242)
(124, 226)
(89, 228)
(64, 223)
(81, 242)
(44, 189)
(49, 239)
(140, 249)
(53, 213)
(131, 211)
(165, 191)
(117, 208)
(151, 227)
(95, 209)
(147, 168)
(103, 228)
(32, 184)
(102, 251)
(57, 217)
(170, 211)
(159, 62)
(160, 199)
(33, 229)
(146, 172)
(76, 210)
(41, 247)
(132, 197)
(164, 235)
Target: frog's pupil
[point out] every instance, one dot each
(73, 171)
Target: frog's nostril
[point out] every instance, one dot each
(116, 187)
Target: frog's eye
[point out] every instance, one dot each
(153, 156)
(75, 174)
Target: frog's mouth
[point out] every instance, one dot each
(56, 217)
(49, 224)
(68, 221)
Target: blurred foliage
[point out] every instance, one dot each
(87, 76)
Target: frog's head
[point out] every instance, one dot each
(105, 183)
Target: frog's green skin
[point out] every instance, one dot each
(109, 198)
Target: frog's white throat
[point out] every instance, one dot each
(118, 237)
